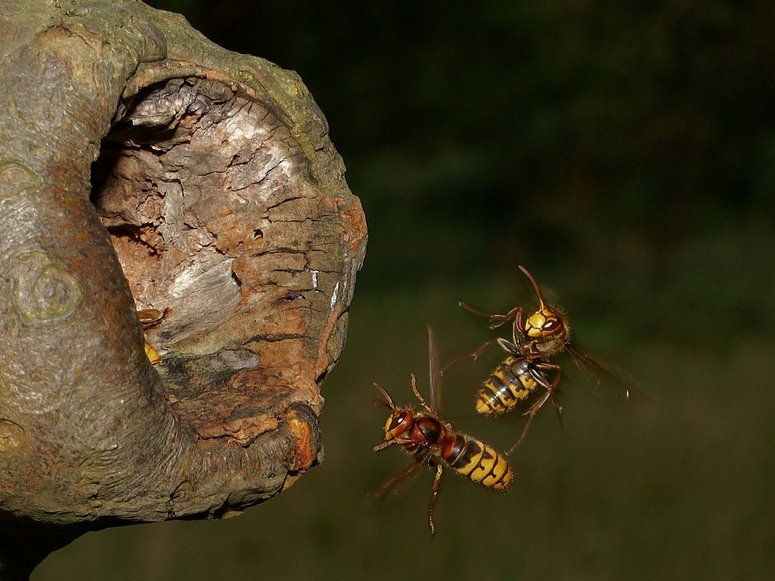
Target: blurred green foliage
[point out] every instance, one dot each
(625, 153)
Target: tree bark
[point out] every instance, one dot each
(144, 167)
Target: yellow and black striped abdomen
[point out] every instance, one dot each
(510, 383)
(476, 460)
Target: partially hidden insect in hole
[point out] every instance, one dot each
(434, 442)
(149, 318)
(528, 367)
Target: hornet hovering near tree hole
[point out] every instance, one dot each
(527, 367)
(435, 443)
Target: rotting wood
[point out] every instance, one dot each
(144, 167)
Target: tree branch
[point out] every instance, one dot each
(144, 167)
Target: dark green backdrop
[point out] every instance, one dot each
(623, 152)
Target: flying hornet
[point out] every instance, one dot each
(527, 368)
(434, 442)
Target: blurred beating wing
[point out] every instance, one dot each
(599, 373)
(435, 373)
(393, 483)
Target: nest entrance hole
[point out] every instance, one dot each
(184, 185)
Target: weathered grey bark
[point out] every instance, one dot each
(144, 167)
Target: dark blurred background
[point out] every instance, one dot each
(625, 153)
